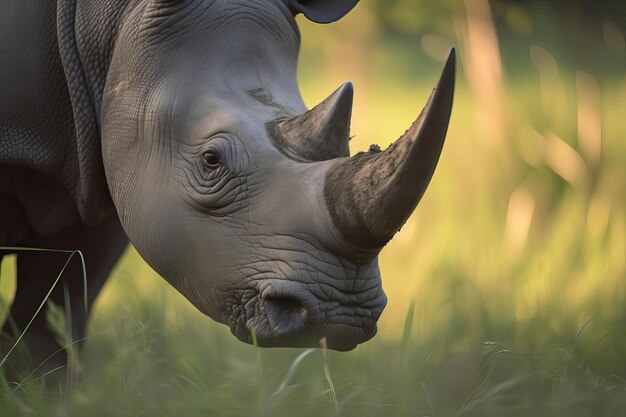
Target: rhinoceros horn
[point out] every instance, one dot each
(371, 195)
(321, 133)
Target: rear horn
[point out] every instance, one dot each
(321, 133)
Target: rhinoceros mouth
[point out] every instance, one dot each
(302, 320)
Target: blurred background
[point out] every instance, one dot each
(507, 286)
(523, 229)
(524, 223)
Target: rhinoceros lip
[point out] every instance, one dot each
(284, 321)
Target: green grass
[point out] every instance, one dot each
(148, 362)
(507, 287)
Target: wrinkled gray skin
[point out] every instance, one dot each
(182, 121)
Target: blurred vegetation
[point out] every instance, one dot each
(507, 287)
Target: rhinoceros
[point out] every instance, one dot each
(178, 125)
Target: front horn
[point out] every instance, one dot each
(371, 195)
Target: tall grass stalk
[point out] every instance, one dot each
(68, 251)
(52, 287)
(329, 380)
(406, 333)
(261, 391)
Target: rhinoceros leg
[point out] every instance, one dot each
(101, 246)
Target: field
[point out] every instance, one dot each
(507, 287)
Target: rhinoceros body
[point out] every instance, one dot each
(178, 124)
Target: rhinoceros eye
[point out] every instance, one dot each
(211, 159)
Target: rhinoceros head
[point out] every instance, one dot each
(244, 200)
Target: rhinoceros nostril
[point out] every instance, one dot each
(285, 315)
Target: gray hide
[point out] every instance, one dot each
(182, 120)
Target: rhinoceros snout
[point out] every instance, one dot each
(303, 320)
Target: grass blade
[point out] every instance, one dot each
(408, 328)
(329, 380)
(43, 302)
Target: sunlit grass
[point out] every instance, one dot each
(506, 288)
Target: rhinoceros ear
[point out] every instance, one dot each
(322, 11)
